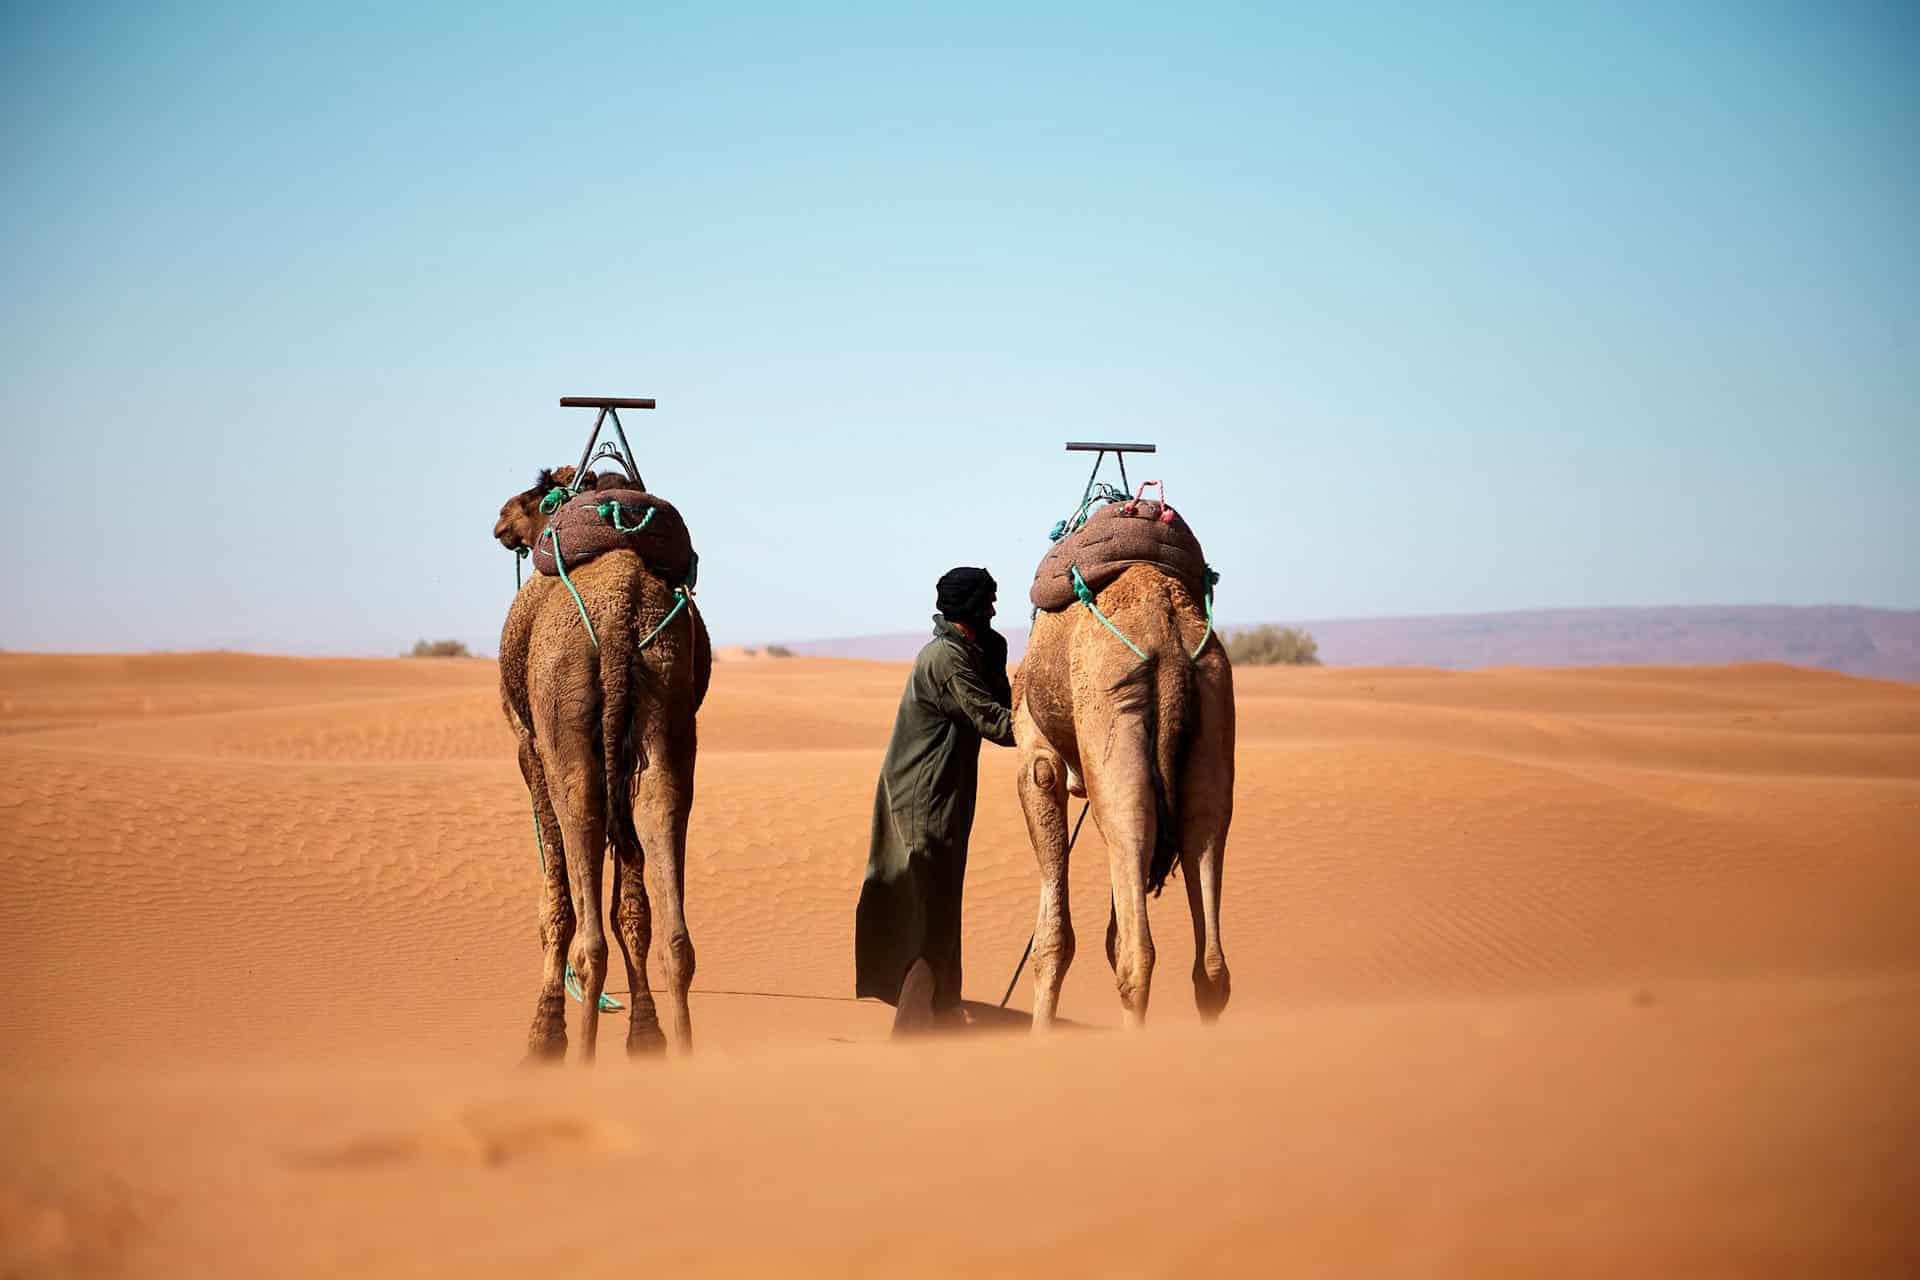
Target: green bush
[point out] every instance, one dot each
(439, 649)
(779, 651)
(1273, 646)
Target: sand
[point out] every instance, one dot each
(1588, 972)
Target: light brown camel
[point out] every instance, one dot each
(607, 750)
(1153, 742)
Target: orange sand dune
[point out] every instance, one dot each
(1576, 971)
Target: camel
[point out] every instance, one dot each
(1153, 742)
(607, 745)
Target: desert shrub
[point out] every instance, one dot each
(1273, 646)
(439, 649)
(779, 651)
(749, 652)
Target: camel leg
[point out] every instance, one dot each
(663, 799)
(547, 1039)
(1203, 842)
(1203, 845)
(1206, 811)
(580, 801)
(1043, 801)
(633, 930)
(1121, 785)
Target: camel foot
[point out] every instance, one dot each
(545, 1049)
(645, 1040)
(914, 1014)
(547, 1038)
(1210, 995)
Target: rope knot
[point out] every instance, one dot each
(1080, 587)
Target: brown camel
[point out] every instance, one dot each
(607, 750)
(1153, 741)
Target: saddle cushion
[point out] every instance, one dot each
(1111, 541)
(585, 528)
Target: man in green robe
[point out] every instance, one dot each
(907, 928)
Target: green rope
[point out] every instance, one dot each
(561, 565)
(610, 512)
(519, 555)
(572, 981)
(579, 993)
(1081, 589)
(555, 499)
(680, 602)
(1095, 493)
(1212, 578)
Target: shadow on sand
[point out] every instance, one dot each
(977, 1018)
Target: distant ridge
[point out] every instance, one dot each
(1848, 638)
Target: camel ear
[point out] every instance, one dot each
(542, 482)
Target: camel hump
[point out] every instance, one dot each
(603, 520)
(1115, 538)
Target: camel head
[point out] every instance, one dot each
(521, 518)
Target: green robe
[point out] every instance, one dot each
(923, 812)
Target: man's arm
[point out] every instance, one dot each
(990, 717)
(994, 645)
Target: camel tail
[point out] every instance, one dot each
(619, 655)
(1173, 692)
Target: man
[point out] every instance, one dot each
(907, 929)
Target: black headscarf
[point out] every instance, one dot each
(965, 594)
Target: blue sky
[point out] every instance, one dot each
(1499, 307)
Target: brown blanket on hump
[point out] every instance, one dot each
(584, 531)
(1110, 541)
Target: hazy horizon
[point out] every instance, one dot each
(1757, 636)
(1488, 310)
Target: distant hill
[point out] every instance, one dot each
(1858, 641)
